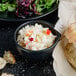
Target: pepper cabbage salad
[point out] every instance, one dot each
(35, 37)
(26, 8)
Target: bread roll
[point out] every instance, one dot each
(8, 56)
(5, 74)
(68, 43)
(2, 63)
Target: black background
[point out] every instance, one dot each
(23, 67)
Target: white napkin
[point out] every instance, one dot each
(60, 64)
(66, 14)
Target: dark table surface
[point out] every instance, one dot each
(24, 68)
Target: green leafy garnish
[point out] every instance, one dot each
(26, 8)
(44, 4)
(8, 5)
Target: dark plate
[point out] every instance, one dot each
(12, 17)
